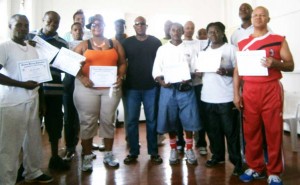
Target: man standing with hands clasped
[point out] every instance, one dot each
(262, 100)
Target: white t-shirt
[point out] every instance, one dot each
(217, 88)
(10, 54)
(169, 54)
(241, 34)
(86, 36)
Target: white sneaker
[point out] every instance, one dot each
(160, 139)
(87, 163)
(274, 180)
(109, 159)
(190, 156)
(173, 157)
(202, 151)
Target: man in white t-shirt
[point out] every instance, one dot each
(246, 28)
(19, 109)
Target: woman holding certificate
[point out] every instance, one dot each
(217, 97)
(97, 93)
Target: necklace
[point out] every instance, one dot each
(97, 45)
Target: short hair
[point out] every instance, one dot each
(78, 12)
(76, 23)
(120, 21)
(15, 16)
(178, 25)
(51, 12)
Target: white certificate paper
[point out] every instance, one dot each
(209, 61)
(44, 49)
(249, 63)
(103, 76)
(36, 70)
(177, 73)
(68, 61)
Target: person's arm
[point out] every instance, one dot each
(80, 49)
(237, 100)
(5, 80)
(121, 63)
(287, 63)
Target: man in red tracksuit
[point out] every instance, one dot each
(262, 100)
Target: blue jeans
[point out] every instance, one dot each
(134, 98)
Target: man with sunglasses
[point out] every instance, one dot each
(140, 87)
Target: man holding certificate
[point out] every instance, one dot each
(19, 109)
(172, 69)
(53, 90)
(262, 100)
(97, 91)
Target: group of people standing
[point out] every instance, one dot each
(203, 102)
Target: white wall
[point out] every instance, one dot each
(284, 16)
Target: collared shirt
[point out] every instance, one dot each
(240, 34)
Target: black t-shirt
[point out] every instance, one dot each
(140, 56)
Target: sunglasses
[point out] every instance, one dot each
(139, 23)
(97, 25)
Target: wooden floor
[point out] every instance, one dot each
(146, 173)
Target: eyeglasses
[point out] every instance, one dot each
(140, 23)
(97, 25)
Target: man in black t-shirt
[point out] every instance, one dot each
(140, 87)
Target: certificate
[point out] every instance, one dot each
(36, 70)
(103, 76)
(177, 73)
(209, 61)
(44, 49)
(249, 63)
(68, 61)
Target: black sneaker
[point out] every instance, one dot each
(101, 148)
(130, 159)
(156, 159)
(213, 162)
(95, 146)
(57, 163)
(41, 179)
(69, 155)
(237, 171)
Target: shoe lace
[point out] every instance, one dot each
(173, 154)
(249, 172)
(274, 178)
(190, 154)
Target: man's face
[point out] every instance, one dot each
(245, 11)
(189, 29)
(19, 27)
(120, 28)
(77, 32)
(176, 32)
(51, 23)
(140, 26)
(80, 18)
(260, 18)
(202, 34)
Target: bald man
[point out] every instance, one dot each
(19, 109)
(262, 100)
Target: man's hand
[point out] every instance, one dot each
(30, 84)
(238, 102)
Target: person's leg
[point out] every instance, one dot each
(87, 103)
(150, 108)
(215, 134)
(71, 125)
(133, 106)
(12, 123)
(54, 124)
(230, 129)
(32, 145)
(273, 123)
